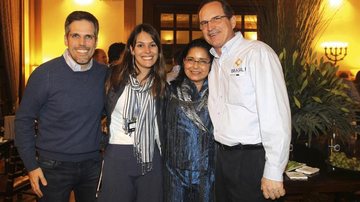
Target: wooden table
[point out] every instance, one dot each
(328, 185)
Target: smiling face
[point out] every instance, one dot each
(81, 41)
(145, 51)
(197, 65)
(216, 32)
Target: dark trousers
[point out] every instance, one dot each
(238, 175)
(123, 180)
(64, 177)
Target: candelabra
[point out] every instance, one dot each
(335, 51)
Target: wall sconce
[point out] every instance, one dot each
(335, 51)
(167, 37)
(335, 3)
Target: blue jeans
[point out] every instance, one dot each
(63, 177)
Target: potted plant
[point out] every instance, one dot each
(320, 106)
(318, 99)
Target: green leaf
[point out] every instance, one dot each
(281, 56)
(297, 102)
(304, 85)
(345, 109)
(317, 99)
(295, 56)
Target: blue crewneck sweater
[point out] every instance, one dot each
(68, 106)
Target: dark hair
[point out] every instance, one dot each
(81, 15)
(357, 78)
(198, 43)
(98, 51)
(176, 57)
(357, 81)
(128, 67)
(228, 11)
(344, 75)
(115, 51)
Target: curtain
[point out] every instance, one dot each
(10, 14)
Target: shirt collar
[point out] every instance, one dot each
(228, 45)
(73, 65)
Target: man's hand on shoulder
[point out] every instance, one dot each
(272, 189)
(35, 176)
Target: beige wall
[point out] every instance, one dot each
(344, 27)
(109, 13)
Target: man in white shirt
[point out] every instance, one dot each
(249, 107)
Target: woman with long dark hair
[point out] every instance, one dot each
(132, 169)
(188, 142)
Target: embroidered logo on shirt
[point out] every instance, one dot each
(238, 68)
(238, 62)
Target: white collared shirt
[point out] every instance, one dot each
(248, 101)
(73, 65)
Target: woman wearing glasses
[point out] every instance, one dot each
(189, 143)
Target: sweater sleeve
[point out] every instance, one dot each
(34, 98)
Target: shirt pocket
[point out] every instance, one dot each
(241, 91)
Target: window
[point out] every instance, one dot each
(180, 26)
(248, 26)
(177, 28)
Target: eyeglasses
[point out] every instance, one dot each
(192, 61)
(214, 20)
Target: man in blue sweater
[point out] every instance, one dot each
(65, 97)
